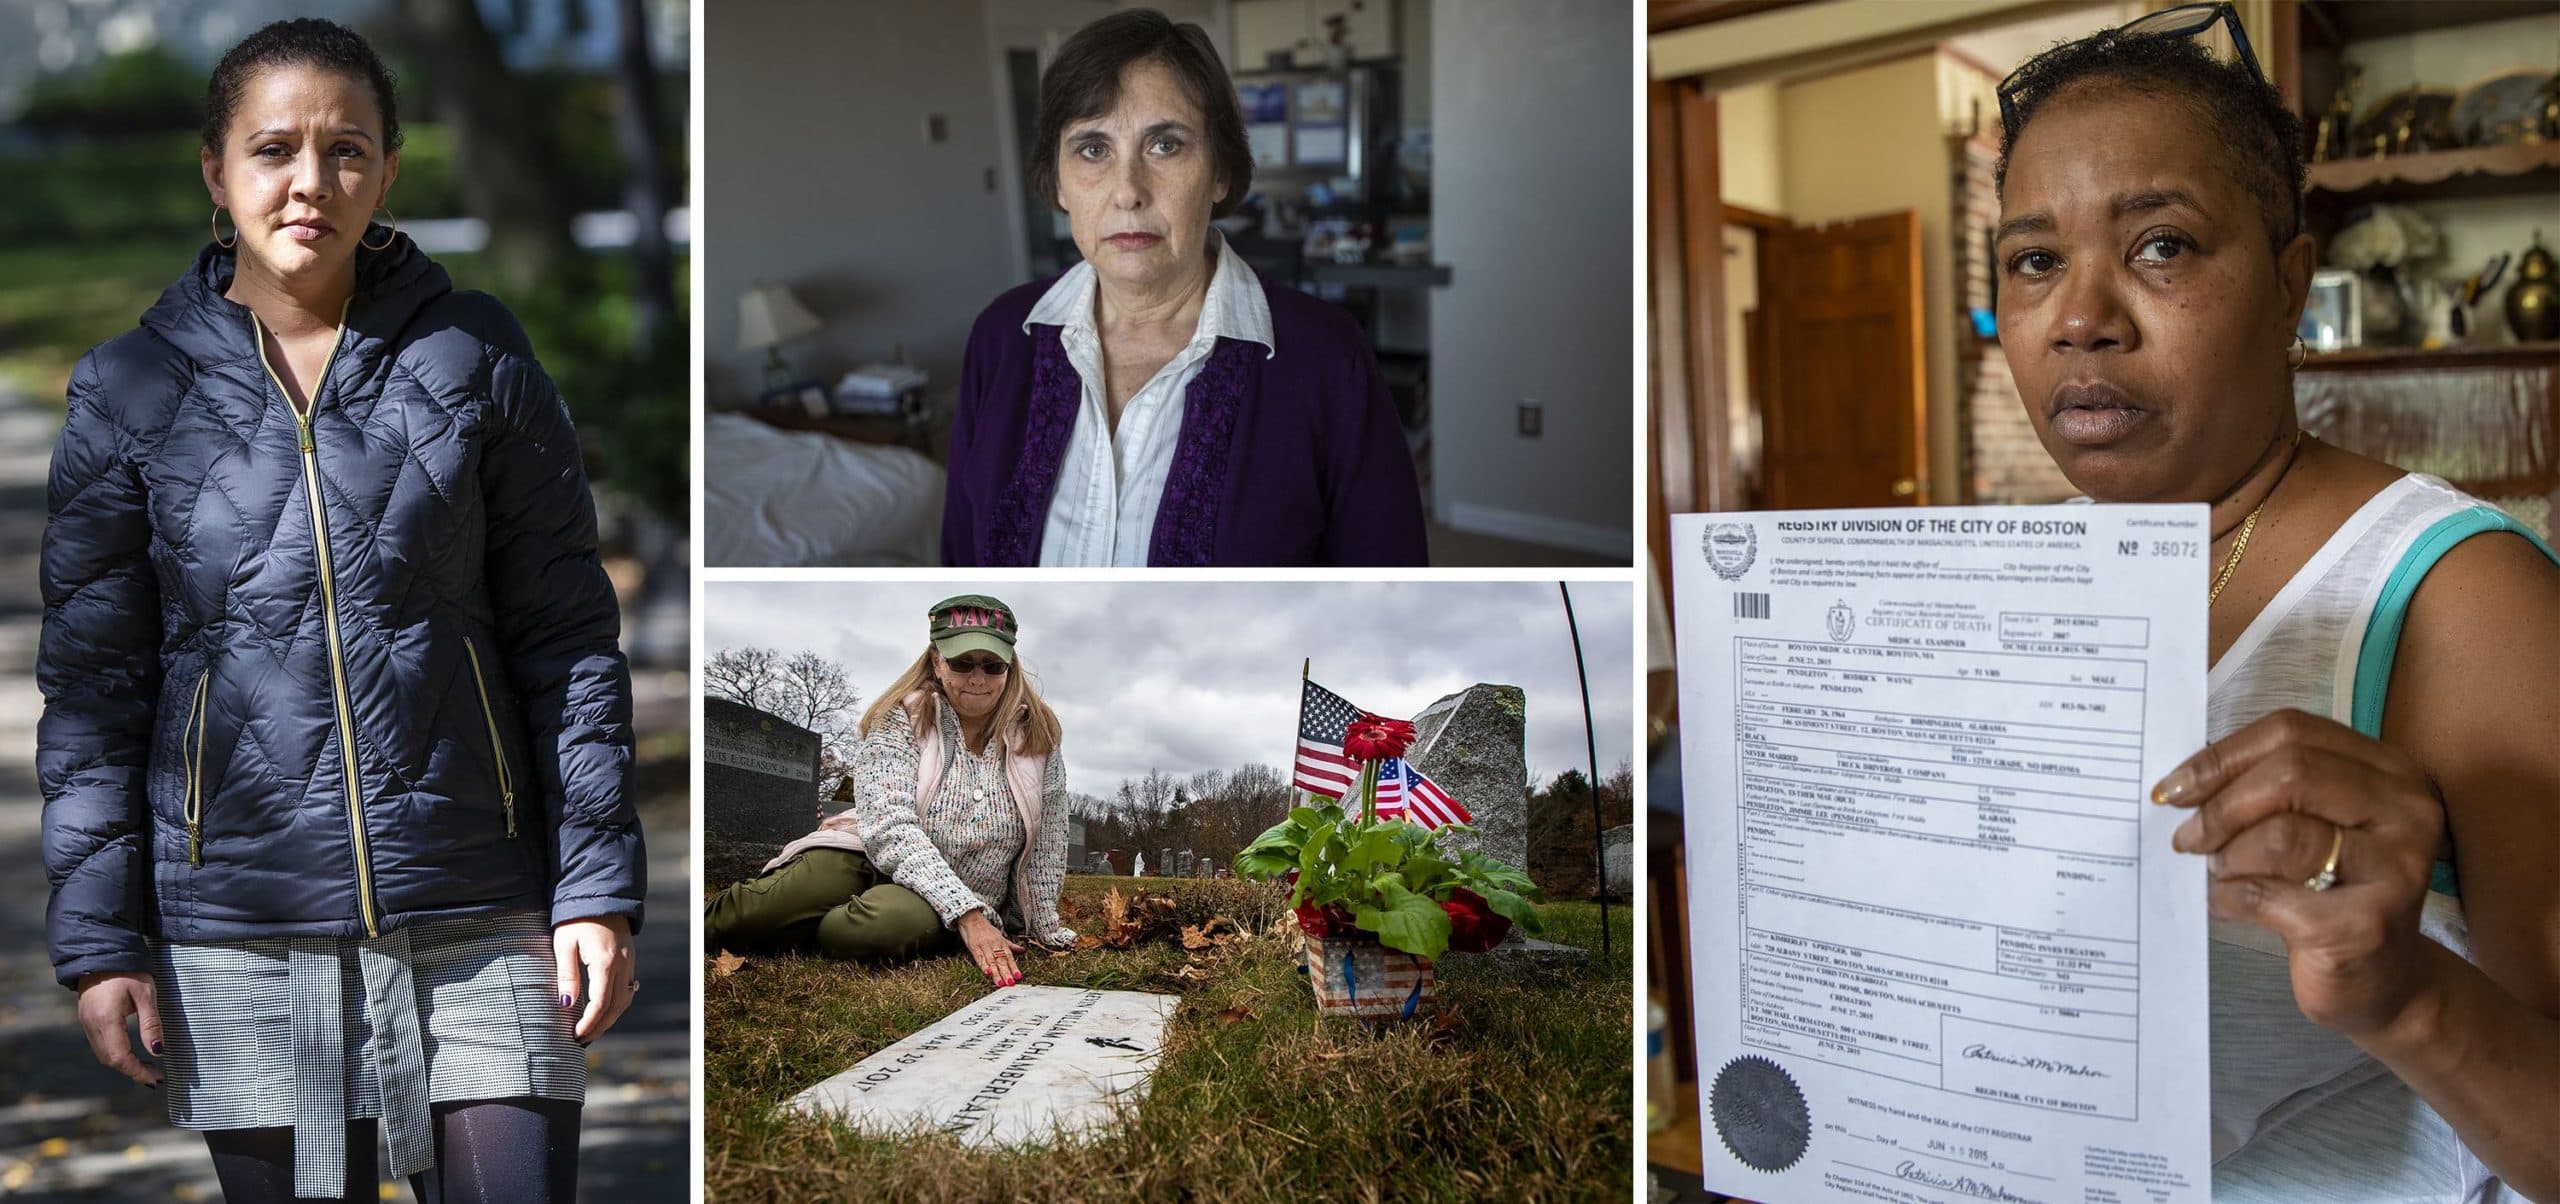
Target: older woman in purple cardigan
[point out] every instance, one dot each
(1160, 404)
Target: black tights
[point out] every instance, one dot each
(486, 1150)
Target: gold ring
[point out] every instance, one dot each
(2328, 875)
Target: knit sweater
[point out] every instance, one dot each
(958, 849)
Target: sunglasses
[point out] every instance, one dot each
(2185, 21)
(978, 664)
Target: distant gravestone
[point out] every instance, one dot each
(1473, 744)
(1183, 863)
(1618, 861)
(1022, 1066)
(1137, 865)
(1075, 842)
(759, 787)
(1164, 862)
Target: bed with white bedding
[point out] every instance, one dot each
(777, 497)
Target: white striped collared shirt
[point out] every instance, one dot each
(1110, 484)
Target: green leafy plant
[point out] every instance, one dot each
(1389, 877)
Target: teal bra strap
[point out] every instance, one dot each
(2391, 612)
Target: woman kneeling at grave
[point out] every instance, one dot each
(957, 836)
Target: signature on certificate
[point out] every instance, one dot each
(1965, 1184)
(2031, 1062)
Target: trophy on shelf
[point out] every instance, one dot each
(2335, 124)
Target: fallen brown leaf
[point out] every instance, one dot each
(1120, 930)
(1194, 939)
(1188, 972)
(727, 964)
(1230, 1017)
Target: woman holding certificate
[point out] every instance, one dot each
(2378, 800)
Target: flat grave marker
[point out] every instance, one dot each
(1020, 1066)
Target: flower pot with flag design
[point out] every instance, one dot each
(1373, 890)
(1357, 977)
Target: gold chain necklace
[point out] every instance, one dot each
(2240, 545)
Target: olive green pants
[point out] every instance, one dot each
(825, 901)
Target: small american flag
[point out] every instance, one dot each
(1404, 791)
(1323, 768)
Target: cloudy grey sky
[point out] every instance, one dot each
(1187, 676)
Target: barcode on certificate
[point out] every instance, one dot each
(1751, 606)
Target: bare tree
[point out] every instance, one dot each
(804, 688)
(746, 676)
(815, 691)
(1155, 792)
(816, 694)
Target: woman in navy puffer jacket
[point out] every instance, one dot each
(337, 732)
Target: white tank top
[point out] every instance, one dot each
(2300, 1113)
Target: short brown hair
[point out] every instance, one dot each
(1084, 81)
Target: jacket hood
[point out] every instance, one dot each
(392, 285)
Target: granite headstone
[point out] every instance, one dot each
(1617, 860)
(759, 787)
(1472, 744)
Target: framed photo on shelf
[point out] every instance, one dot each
(2333, 317)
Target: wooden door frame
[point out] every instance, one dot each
(1690, 468)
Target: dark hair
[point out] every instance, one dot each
(2259, 136)
(303, 42)
(1084, 81)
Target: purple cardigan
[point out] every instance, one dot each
(1297, 459)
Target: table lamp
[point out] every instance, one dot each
(768, 317)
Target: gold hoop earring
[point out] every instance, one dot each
(214, 223)
(2298, 354)
(393, 231)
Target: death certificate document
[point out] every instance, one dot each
(1942, 949)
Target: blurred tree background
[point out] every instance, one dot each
(546, 149)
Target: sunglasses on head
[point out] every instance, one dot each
(978, 664)
(2184, 21)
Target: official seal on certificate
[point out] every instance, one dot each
(1760, 1114)
(1731, 547)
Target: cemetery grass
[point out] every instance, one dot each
(1524, 1091)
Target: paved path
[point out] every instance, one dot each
(72, 1129)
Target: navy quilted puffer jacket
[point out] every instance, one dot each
(263, 719)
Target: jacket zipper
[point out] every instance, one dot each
(191, 747)
(329, 608)
(506, 786)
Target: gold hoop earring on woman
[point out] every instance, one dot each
(2296, 355)
(215, 223)
(393, 230)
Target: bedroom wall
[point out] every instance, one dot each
(1530, 198)
(817, 174)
